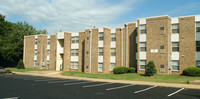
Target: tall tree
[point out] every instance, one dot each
(12, 38)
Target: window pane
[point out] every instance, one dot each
(113, 37)
(175, 30)
(142, 62)
(175, 26)
(175, 44)
(198, 63)
(175, 49)
(142, 66)
(142, 44)
(198, 43)
(143, 49)
(175, 68)
(175, 63)
(198, 29)
(143, 31)
(142, 27)
(112, 66)
(198, 24)
(100, 67)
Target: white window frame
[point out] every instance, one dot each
(173, 28)
(75, 39)
(112, 67)
(143, 27)
(101, 36)
(100, 49)
(113, 51)
(113, 37)
(143, 64)
(175, 46)
(100, 65)
(175, 65)
(143, 46)
(74, 65)
(74, 52)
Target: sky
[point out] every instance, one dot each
(78, 15)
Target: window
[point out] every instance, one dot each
(198, 63)
(162, 30)
(35, 63)
(113, 52)
(100, 36)
(75, 39)
(142, 46)
(175, 46)
(143, 29)
(198, 27)
(47, 64)
(162, 49)
(197, 46)
(87, 54)
(175, 65)
(112, 66)
(74, 65)
(113, 36)
(100, 51)
(74, 52)
(100, 67)
(175, 28)
(142, 64)
(36, 52)
(162, 68)
(48, 41)
(88, 39)
(36, 41)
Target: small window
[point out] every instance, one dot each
(47, 64)
(175, 46)
(113, 52)
(198, 27)
(100, 51)
(142, 64)
(162, 68)
(162, 49)
(74, 52)
(143, 29)
(162, 30)
(175, 28)
(48, 41)
(88, 40)
(197, 46)
(100, 36)
(198, 63)
(143, 46)
(35, 63)
(75, 39)
(36, 41)
(100, 67)
(87, 54)
(74, 65)
(113, 36)
(175, 65)
(112, 66)
(48, 52)
(36, 52)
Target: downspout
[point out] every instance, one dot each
(90, 50)
(126, 43)
(121, 46)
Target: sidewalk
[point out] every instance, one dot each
(57, 74)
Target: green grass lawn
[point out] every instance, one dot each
(135, 77)
(27, 69)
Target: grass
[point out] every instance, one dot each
(135, 77)
(27, 69)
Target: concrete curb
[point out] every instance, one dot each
(58, 75)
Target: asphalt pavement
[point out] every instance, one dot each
(14, 86)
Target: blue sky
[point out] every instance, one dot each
(78, 15)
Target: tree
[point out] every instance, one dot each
(20, 64)
(150, 69)
(12, 38)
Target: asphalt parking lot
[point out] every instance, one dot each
(31, 87)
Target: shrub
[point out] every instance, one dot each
(150, 69)
(131, 70)
(120, 70)
(192, 71)
(20, 64)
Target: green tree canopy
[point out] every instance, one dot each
(12, 38)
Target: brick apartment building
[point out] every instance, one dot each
(172, 43)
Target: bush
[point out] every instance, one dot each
(131, 70)
(120, 70)
(192, 71)
(150, 69)
(20, 64)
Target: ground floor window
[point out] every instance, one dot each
(74, 65)
(35, 63)
(175, 65)
(47, 64)
(112, 66)
(100, 67)
(142, 64)
(198, 63)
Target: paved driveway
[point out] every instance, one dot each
(32, 87)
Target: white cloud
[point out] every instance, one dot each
(67, 15)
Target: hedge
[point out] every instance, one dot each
(123, 70)
(192, 71)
